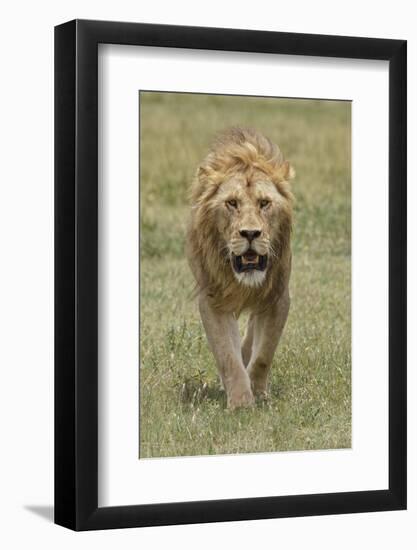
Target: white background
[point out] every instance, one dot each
(26, 289)
(123, 479)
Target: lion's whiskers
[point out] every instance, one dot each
(273, 252)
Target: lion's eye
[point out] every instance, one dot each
(264, 203)
(232, 203)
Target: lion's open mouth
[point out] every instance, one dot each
(249, 261)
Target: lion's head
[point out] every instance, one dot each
(241, 212)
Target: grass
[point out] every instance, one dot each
(182, 408)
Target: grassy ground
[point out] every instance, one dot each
(182, 408)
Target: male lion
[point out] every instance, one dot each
(238, 247)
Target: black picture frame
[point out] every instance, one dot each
(76, 272)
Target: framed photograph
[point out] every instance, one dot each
(230, 284)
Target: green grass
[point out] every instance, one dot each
(182, 408)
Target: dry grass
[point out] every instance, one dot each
(182, 408)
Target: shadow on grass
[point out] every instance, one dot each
(195, 393)
(192, 392)
(276, 391)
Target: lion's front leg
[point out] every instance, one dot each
(224, 340)
(267, 330)
(248, 341)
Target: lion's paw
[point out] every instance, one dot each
(262, 396)
(259, 384)
(241, 399)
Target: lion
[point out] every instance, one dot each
(239, 250)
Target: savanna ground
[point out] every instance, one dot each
(182, 408)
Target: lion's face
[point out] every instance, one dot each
(241, 220)
(248, 212)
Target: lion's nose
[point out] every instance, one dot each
(250, 234)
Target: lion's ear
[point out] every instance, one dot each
(206, 168)
(203, 171)
(205, 183)
(283, 175)
(287, 172)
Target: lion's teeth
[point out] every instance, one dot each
(250, 261)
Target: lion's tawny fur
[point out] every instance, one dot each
(243, 183)
(242, 151)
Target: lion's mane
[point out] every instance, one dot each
(237, 150)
